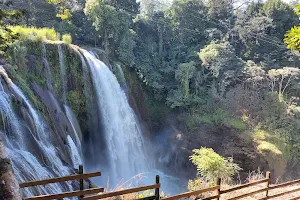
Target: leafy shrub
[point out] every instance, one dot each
(274, 157)
(264, 147)
(211, 165)
(67, 38)
(237, 124)
(35, 34)
(218, 117)
(273, 149)
(259, 135)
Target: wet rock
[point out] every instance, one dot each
(9, 187)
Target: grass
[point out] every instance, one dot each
(40, 34)
(36, 34)
(67, 39)
(127, 185)
(266, 147)
(218, 117)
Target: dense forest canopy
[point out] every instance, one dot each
(212, 62)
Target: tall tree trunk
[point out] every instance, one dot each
(9, 186)
(106, 42)
(160, 45)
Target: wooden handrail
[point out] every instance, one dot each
(283, 193)
(248, 194)
(212, 197)
(263, 198)
(59, 179)
(284, 184)
(244, 186)
(121, 192)
(67, 194)
(295, 198)
(187, 194)
(147, 198)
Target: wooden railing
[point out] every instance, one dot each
(262, 187)
(80, 193)
(263, 190)
(155, 186)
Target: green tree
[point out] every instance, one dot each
(63, 10)
(292, 37)
(211, 165)
(189, 19)
(150, 7)
(6, 35)
(113, 24)
(220, 10)
(282, 79)
(184, 74)
(282, 14)
(223, 63)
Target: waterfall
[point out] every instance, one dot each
(75, 126)
(62, 71)
(47, 67)
(121, 77)
(43, 138)
(25, 164)
(74, 153)
(125, 145)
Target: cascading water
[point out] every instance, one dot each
(43, 139)
(74, 153)
(121, 78)
(75, 126)
(25, 165)
(62, 71)
(47, 67)
(52, 161)
(74, 148)
(122, 132)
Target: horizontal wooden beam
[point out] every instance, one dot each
(147, 198)
(295, 198)
(212, 197)
(283, 193)
(271, 187)
(122, 192)
(59, 179)
(248, 194)
(263, 198)
(67, 194)
(243, 186)
(188, 194)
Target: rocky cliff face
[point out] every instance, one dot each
(9, 186)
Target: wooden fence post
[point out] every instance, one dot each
(157, 189)
(219, 190)
(268, 176)
(81, 185)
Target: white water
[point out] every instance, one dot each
(121, 77)
(75, 126)
(25, 165)
(122, 132)
(62, 71)
(51, 157)
(74, 153)
(43, 138)
(47, 67)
